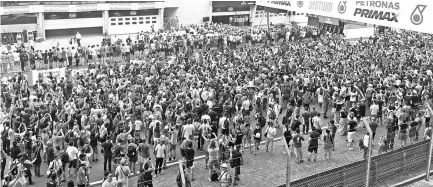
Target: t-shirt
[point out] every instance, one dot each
(72, 152)
(160, 149)
(189, 154)
(297, 141)
(314, 138)
(107, 148)
(374, 109)
(144, 150)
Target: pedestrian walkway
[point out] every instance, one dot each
(270, 170)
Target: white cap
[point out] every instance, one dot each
(224, 165)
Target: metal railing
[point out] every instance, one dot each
(373, 170)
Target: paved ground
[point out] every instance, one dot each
(261, 169)
(422, 183)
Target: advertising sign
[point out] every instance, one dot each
(403, 14)
(14, 10)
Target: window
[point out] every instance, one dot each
(153, 21)
(147, 17)
(134, 23)
(113, 19)
(140, 22)
(147, 22)
(120, 19)
(153, 17)
(134, 18)
(127, 23)
(127, 19)
(257, 16)
(113, 23)
(140, 18)
(120, 23)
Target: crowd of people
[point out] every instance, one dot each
(212, 88)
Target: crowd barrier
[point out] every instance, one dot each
(383, 167)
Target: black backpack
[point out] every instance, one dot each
(65, 157)
(226, 123)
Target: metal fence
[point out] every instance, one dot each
(383, 167)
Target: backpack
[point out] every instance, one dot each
(145, 179)
(65, 157)
(213, 176)
(226, 123)
(132, 153)
(228, 177)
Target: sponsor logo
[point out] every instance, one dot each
(56, 8)
(15, 10)
(230, 9)
(72, 15)
(342, 7)
(133, 13)
(416, 17)
(374, 14)
(300, 4)
(320, 6)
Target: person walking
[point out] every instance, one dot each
(160, 152)
(297, 143)
(225, 178)
(271, 132)
(122, 172)
(328, 144)
(236, 162)
(313, 144)
(107, 148)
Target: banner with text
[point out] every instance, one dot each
(403, 14)
(44, 74)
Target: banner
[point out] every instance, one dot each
(412, 15)
(79, 71)
(328, 20)
(43, 75)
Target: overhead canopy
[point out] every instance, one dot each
(415, 15)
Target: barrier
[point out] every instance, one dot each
(383, 167)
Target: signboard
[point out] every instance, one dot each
(14, 10)
(43, 75)
(403, 14)
(328, 20)
(78, 8)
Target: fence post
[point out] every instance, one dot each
(430, 152)
(182, 173)
(288, 168)
(370, 139)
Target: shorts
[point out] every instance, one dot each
(312, 149)
(403, 136)
(189, 163)
(73, 163)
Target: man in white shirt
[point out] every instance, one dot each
(271, 132)
(316, 121)
(374, 109)
(160, 153)
(188, 129)
(72, 153)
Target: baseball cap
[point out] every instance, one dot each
(224, 165)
